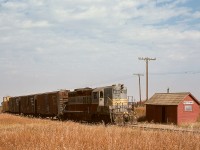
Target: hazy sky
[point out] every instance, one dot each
(46, 45)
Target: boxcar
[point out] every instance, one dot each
(27, 105)
(51, 104)
(14, 105)
(5, 105)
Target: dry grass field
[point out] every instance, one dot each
(30, 133)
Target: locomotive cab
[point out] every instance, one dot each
(101, 98)
(98, 96)
(112, 101)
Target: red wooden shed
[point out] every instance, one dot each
(177, 108)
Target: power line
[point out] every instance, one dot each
(176, 73)
(129, 76)
(109, 80)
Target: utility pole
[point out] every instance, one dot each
(147, 59)
(139, 86)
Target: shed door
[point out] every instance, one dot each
(163, 114)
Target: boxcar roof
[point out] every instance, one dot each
(169, 98)
(52, 92)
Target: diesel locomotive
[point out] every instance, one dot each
(108, 104)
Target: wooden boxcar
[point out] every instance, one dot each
(27, 105)
(5, 104)
(14, 105)
(51, 104)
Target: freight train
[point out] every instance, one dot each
(108, 104)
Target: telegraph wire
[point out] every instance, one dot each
(109, 81)
(125, 77)
(177, 73)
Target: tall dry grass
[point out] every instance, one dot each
(140, 113)
(28, 133)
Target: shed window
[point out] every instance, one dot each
(188, 107)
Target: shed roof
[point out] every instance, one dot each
(168, 98)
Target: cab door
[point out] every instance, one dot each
(101, 98)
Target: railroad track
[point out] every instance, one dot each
(164, 128)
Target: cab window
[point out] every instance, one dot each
(101, 94)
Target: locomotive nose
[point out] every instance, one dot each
(126, 117)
